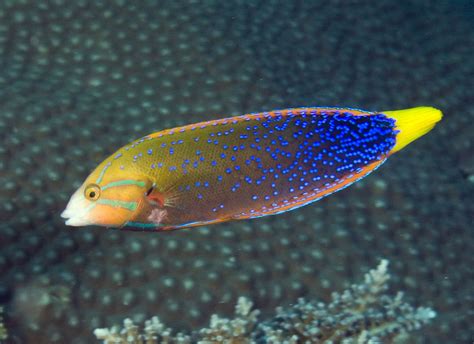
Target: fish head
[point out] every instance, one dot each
(110, 196)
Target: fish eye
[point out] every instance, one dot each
(92, 192)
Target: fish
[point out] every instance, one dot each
(241, 167)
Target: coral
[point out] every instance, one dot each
(361, 314)
(237, 330)
(3, 330)
(78, 79)
(39, 299)
(154, 332)
(221, 330)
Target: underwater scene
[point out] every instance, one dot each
(117, 228)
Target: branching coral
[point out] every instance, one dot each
(154, 332)
(360, 314)
(3, 330)
(237, 330)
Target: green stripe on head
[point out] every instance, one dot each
(124, 182)
(119, 204)
(101, 175)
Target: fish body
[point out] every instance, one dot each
(241, 167)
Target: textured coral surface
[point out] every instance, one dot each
(362, 314)
(80, 78)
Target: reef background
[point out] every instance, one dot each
(78, 79)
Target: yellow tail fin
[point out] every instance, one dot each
(413, 123)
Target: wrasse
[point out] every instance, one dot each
(241, 167)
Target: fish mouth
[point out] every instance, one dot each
(77, 210)
(73, 220)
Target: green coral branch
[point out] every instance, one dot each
(361, 314)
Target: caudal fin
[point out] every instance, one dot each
(413, 123)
